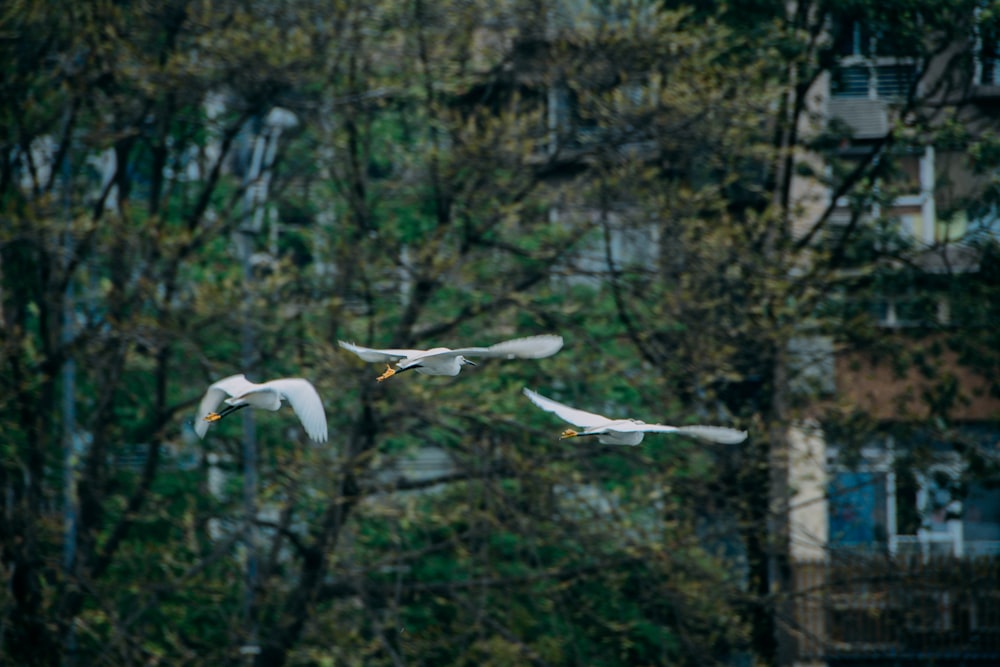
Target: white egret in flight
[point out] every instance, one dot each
(626, 431)
(445, 361)
(242, 393)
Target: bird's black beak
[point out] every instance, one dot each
(469, 361)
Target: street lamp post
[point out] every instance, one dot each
(258, 180)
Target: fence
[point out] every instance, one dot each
(860, 606)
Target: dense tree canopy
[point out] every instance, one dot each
(192, 189)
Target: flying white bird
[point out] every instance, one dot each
(444, 361)
(299, 393)
(627, 431)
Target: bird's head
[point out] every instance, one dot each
(568, 433)
(466, 362)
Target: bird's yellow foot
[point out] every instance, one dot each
(388, 373)
(213, 417)
(568, 433)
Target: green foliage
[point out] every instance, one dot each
(454, 177)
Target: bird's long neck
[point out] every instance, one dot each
(232, 408)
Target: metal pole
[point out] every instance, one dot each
(258, 182)
(250, 649)
(69, 455)
(69, 424)
(245, 240)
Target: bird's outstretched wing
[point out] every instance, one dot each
(531, 347)
(719, 434)
(234, 385)
(305, 400)
(571, 415)
(377, 356)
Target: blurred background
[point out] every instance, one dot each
(775, 216)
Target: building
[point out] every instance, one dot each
(895, 516)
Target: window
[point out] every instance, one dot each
(988, 66)
(981, 519)
(854, 38)
(859, 510)
(939, 507)
(987, 52)
(570, 125)
(930, 513)
(865, 71)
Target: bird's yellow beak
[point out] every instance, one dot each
(389, 372)
(568, 433)
(213, 417)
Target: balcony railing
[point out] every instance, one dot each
(874, 80)
(910, 608)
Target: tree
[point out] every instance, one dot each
(459, 173)
(752, 260)
(114, 196)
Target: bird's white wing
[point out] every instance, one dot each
(234, 385)
(377, 356)
(719, 434)
(305, 400)
(416, 356)
(532, 347)
(571, 415)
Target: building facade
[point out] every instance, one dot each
(894, 536)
